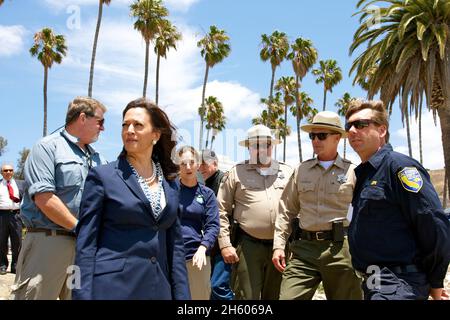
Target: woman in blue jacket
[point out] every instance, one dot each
(200, 223)
(129, 240)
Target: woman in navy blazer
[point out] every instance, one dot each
(129, 240)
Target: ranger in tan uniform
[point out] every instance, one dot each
(318, 193)
(250, 194)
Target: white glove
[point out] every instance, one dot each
(199, 259)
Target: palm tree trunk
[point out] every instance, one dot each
(272, 81)
(147, 52)
(408, 132)
(212, 141)
(203, 106)
(285, 131)
(207, 138)
(44, 132)
(420, 134)
(324, 98)
(298, 117)
(299, 139)
(94, 47)
(157, 80)
(444, 117)
(345, 147)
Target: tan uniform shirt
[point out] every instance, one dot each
(317, 196)
(252, 198)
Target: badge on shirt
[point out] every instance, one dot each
(280, 175)
(199, 199)
(342, 178)
(411, 179)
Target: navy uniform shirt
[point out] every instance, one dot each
(397, 217)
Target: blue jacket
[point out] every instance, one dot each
(122, 251)
(398, 218)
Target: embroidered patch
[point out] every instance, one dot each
(374, 183)
(199, 199)
(411, 179)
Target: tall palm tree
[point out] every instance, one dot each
(410, 51)
(274, 48)
(49, 48)
(148, 14)
(167, 37)
(343, 104)
(330, 75)
(215, 46)
(288, 87)
(303, 108)
(94, 47)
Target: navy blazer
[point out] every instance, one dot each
(123, 251)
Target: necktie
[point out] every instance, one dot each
(11, 192)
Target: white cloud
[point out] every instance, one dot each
(180, 5)
(433, 157)
(11, 40)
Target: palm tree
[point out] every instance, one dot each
(274, 48)
(94, 47)
(148, 14)
(215, 119)
(410, 51)
(303, 108)
(288, 87)
(167, 36)
(215, 46)
(330, 75)
(49, 48)
(343, 104)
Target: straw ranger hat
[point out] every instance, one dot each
(258, 132)
(326, 120)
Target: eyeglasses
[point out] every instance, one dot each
(320, 135)
(100, 122)
(8, 170)
(260, 145)
(359, 124)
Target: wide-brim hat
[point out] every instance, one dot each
(326, 120)
(258, 133)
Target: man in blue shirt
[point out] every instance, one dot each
(55, 171)
(399, 236)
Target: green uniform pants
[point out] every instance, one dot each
(254, 277)
(315, 261)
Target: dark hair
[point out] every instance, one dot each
(84, 105)
(379, 112)
(167, 142)
(190, 149)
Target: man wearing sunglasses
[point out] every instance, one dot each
(11, 192)
(55, 171)
(249, 194)
(399, 235)
(318, 193)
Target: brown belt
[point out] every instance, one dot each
(52, 232)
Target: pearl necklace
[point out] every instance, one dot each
(150, 179)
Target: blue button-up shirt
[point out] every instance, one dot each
(58, 165)
(397, 217)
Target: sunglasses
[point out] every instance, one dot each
(8, 170)
(100, 122)
(320, 135)
(359, 124)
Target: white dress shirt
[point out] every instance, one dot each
(5, 202)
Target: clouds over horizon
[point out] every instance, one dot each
(12, 40)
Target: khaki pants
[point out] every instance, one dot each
(199, 280)
(254, 277)
(316, 261)
(42, 267)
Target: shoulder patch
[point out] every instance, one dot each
(410, 179)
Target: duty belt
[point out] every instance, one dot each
(262, 241)
(400, 269)
(15, 211)
(318, 235)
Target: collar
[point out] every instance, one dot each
(378, 157)
(338, 162)
(72, 139)
(272, 170)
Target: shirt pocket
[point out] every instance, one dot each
(374, 205)
(68, 172)
(305, 187)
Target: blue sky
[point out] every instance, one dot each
(239, 81)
